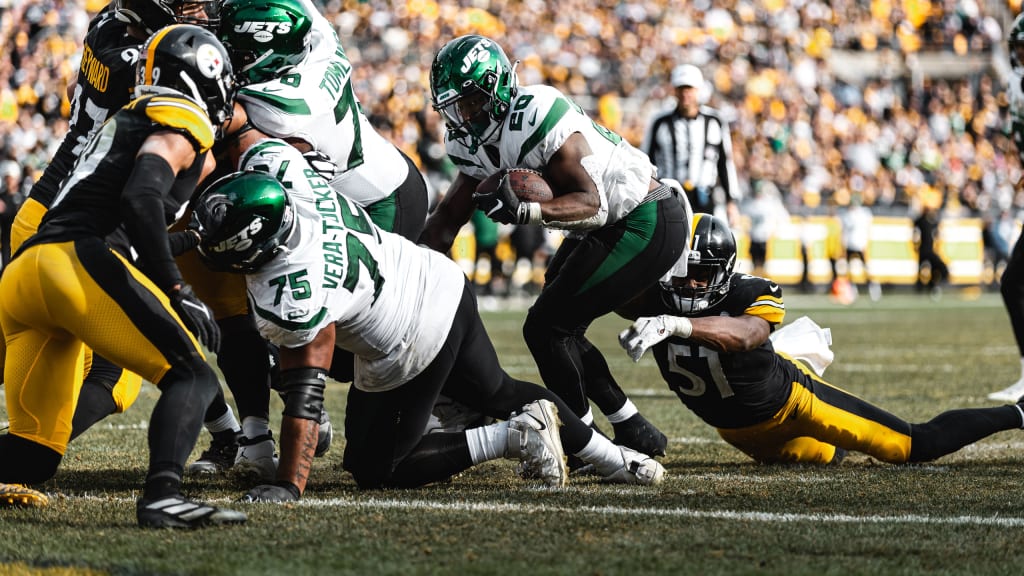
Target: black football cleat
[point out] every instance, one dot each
(177, 512)
(640, 435)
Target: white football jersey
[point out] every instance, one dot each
(1016, 90)
(539, 121)
(316, 103)
(392, 302)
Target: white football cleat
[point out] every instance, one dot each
(637, 468)
(257, 458)
(534, 438)
(1010, 394)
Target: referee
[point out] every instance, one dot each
(691, 143)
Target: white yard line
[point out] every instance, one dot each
(742, 516)
(729, 515)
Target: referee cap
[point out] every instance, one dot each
(687, 75)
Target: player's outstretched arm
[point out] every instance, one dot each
(303, 380)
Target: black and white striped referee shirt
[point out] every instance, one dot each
(697, 152)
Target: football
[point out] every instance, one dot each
(528, 185)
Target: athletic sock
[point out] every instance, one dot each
(254, 427)
(622, 414)
(588, 418)
(226, 422)
(605, 456)
(487, 442)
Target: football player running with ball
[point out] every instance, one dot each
(708, 329)
(625, 228)
(66, 288)
(322, 276)
(1011, 285)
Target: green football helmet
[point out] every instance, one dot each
(244, 219)
(472, 85)
(266, 38)
(1016, 43)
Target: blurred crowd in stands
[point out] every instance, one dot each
(894, 140)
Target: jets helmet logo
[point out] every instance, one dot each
(263, 31)
(477, 53)
(241, 241)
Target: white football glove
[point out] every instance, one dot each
(649, 330)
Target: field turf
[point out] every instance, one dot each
(716, 513)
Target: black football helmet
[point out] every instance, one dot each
(187, 60)
(152, 15)
(710, 261)
(244, 218)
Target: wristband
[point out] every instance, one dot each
(531, 210)
(679, 326)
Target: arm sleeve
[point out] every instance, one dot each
(183, 241)
(142, 210)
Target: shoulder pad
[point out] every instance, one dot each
(761, 297)
(180, 114)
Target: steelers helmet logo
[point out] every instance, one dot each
(209, 61)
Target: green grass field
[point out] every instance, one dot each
(716, 513)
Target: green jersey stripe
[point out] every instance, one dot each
(293, 106)
(558, 109)
(640, 226)
(260, 148)
(289, 325)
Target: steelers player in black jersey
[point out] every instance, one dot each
(708, 329)
(67, 289)
(105, 81)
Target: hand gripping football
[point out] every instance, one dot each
(528, 185)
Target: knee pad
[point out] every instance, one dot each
(26, 462)
(303, 392)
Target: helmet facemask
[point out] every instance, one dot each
(472, 85)
(704, 281)
(703, 287)
(152, 15)
(205, 13)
